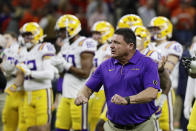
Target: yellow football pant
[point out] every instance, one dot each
(37, 107)
(13, 112)
(192, 121)
(96, 106)
(70, 116)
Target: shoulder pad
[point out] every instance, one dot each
(155, 55)
(47, 49)
(89, 45)
(174, 48)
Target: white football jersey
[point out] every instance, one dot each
(34, 61)
(171, 47)
(174, 48)
(101, 54)
(153, 53)
(13, 55)
(193, 50)
(71, 53)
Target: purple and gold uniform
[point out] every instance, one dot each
(97, 100)
(13, 112)
(68, 114)
(38, 92)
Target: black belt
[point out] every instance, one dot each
(126, 127)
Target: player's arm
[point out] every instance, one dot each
(18, 83)
(189, 97)
(45, 74)
(86, 59)
(19, 78)
(165, 82)
(7, 66)
(171, 62)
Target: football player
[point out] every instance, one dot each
(161, 31)
(143, 43)
(13, 112)
(101, 32)
(37, 73)
(189, 110)
(76, 61)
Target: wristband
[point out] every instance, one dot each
(127, 99)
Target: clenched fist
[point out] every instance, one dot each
(81, 100)
(116, 99)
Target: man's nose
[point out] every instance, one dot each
(112, 45)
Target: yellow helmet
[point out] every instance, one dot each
(144, 34)
(129, 21)
(164, 25)
(35, 29)
(71, 23)
(105, 28)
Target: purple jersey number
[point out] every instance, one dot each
(32, 65)
(70, 59)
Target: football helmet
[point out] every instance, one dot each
(104, 28)
(34, 29)
(129, 21)
(164, 26)
(142, 33)
(70, 23)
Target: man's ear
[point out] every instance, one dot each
(131, 46)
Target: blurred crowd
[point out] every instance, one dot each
(14, 13)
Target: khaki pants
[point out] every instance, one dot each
(148, 125)
(2, 102)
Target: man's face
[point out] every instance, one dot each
(154, 31)
(28, 37)
(96, 36)
(62, 33)
(119, 47)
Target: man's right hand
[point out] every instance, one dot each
(81, 100)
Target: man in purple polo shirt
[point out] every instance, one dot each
(131, 83)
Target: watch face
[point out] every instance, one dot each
(127, 99)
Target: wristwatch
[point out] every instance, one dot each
(127, 99)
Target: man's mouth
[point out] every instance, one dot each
(112, 51)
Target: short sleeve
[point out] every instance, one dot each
(89, 45)
(150, 74)
(47, 49)
(175, 49)
(96, 80)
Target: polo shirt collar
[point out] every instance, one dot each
(133, 59)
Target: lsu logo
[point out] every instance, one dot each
(136, 69)
(110, 69)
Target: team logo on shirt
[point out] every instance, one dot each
(155, 82)
(135, 69)
(110, 69)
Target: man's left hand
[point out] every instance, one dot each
(116, 99)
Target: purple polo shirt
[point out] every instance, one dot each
(140, 73)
